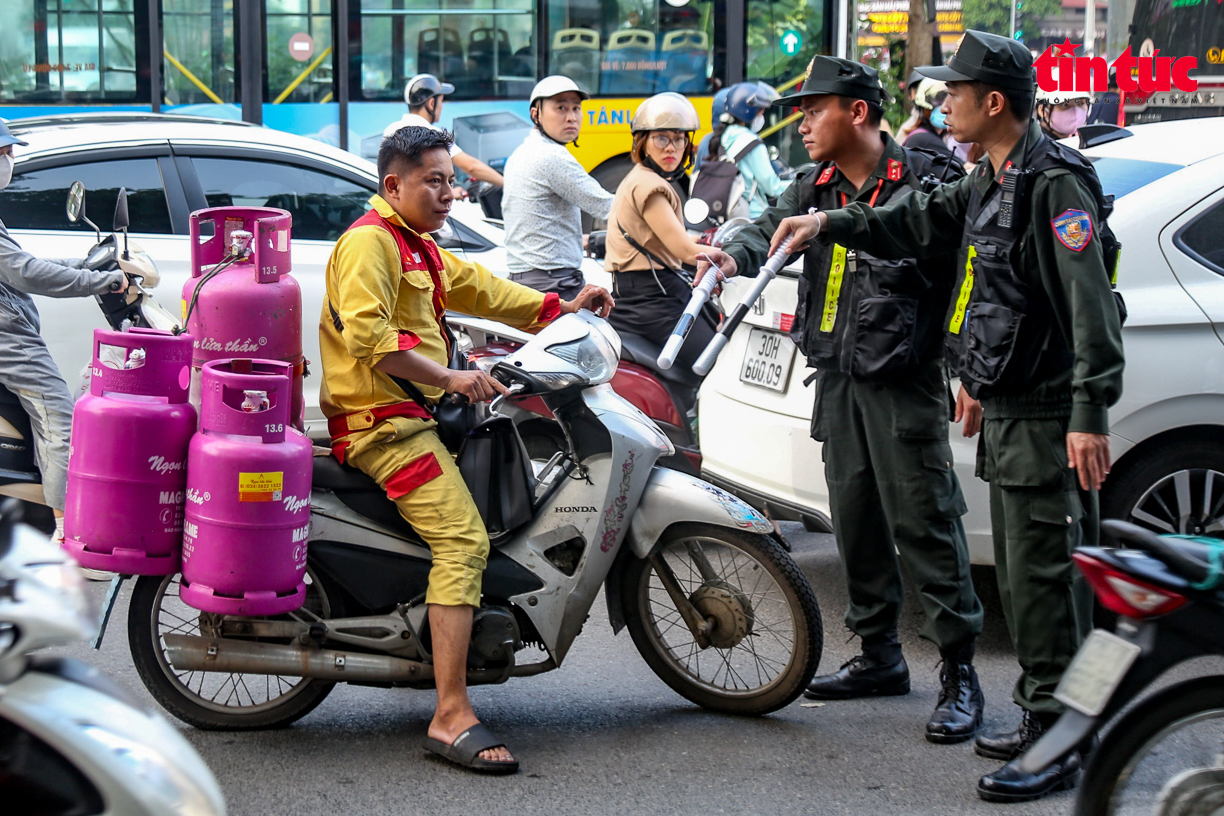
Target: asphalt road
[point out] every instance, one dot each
(603, 735)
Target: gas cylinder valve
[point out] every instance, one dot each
(240, 243)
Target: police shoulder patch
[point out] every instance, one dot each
(1073, 228)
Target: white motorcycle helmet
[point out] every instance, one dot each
(551, 86)
(665, 111)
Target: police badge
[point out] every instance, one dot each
(1074, 229)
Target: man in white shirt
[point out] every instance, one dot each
(424, 94)
(546, 192)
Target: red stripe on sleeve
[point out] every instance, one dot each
(408, 340)
(551, 309)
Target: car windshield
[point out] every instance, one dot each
(1120, 177)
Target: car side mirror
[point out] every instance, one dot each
(76, 202)
(121, 211)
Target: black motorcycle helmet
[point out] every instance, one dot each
(424, 87)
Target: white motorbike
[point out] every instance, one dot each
(71, 741)
(716, 607)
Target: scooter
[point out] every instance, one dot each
(1165, 755)
(667, 396)
(717, 609)
(19, 476)
(71, 740)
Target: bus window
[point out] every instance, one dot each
(770, 22)
(486, 49)
(633, 47)
(299, 51)
(198, 38)
(60, 52)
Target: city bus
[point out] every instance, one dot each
(1181, 28)
(191, 56)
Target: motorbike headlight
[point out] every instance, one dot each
(168, 783)
(592, 355)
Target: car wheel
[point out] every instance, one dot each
(1177, 489)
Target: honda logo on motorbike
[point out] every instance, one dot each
(575, 509)
(1091, 74)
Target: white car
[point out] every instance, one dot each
(1167, 432)
(172, 165)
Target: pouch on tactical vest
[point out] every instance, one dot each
(869, 317)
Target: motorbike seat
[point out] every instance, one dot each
(361, 494)
(637, 349)
(1187, 557)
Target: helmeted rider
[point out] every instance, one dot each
(717, 107)
(648, 244)
(424, 95)
(26, 367)
(932, 121)
(1061, 113)
(547, 191)
(737, 132)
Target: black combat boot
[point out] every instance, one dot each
(1006, 745)
(1012, 784)
(958, 714)
(880, 671)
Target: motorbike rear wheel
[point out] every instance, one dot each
(1163, 757)
(767, 642)
(217, 701)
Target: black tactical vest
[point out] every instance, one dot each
(865, 316)
(1001, 335)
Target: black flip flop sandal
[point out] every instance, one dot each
(465, 751)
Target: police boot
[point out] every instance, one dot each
(1012, 784)
(879, 671)
(958, 714)
(1006, 745)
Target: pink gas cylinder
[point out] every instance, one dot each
(127, 465)
(248, 494)
(241, 300)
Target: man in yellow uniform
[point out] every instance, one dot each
(388, 288)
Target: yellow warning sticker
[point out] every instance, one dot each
(962, 300)
(837, 271)
(184, 305)
(261, 487)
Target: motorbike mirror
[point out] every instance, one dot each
(76, 202)
(121, 211)
(696, 211)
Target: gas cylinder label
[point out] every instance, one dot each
(231, 224)
(261, 487)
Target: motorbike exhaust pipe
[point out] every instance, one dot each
(194, 653)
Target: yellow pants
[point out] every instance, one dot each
(407, 459)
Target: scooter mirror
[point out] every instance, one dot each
(76, 202)
(696, 211)
(121, 211)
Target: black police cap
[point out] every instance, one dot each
(988, 58)
(839, 77)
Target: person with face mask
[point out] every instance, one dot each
(424, 94)
(26, 367)
(648, 244)
(736, 135)
(1061, 113)
(547, 191)
(932, 123)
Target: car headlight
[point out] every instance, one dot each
(167, 782)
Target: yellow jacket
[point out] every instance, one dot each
(389, 288)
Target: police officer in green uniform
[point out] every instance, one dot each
(872, 330)
(1033, 331)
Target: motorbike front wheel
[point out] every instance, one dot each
(1164, 757)
(220, 701)
(765, 636)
